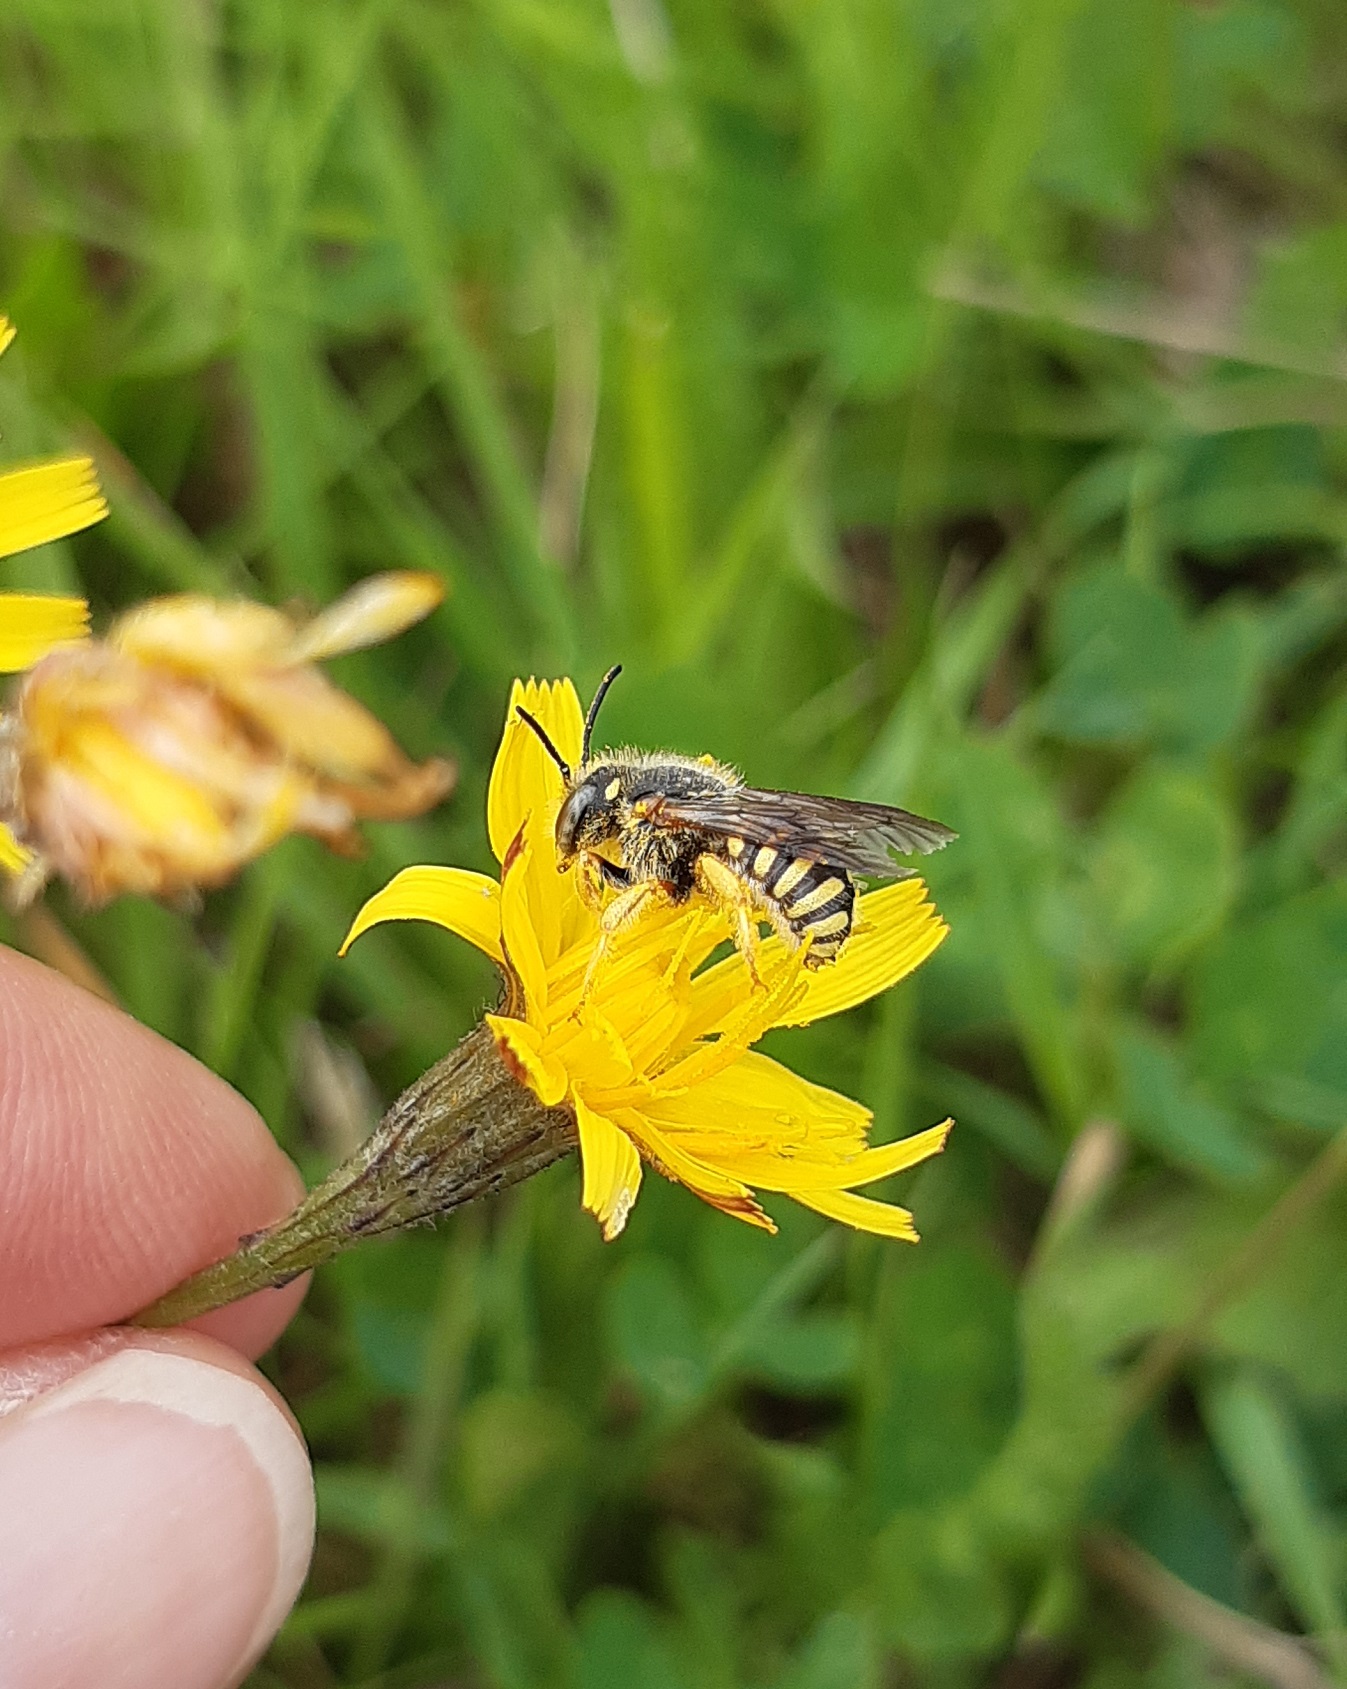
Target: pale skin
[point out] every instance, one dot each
(155, 1497)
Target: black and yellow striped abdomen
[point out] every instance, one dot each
(802, 898)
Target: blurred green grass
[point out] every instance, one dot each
(937, 402)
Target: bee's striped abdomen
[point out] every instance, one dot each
(812, 900)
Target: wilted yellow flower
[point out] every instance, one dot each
(656, 1061)
(197, 733)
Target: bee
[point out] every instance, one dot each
(649, 826)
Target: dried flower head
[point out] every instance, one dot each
(656, 1061)
(197, 733)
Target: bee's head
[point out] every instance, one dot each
(591, 814)
(591, 810)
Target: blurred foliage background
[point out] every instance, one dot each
(940, 401)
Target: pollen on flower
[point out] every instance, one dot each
(652, 1051)
(195, 734)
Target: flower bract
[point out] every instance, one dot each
(657, 1062)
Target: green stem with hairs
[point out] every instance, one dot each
(467, 1128)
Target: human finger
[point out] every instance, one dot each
(158, 1518)
(125, 1165)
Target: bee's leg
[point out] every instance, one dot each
(590, 881)
(624, 908)
(729, 893)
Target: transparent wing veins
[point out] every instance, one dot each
(864, 838)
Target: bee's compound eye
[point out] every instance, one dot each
(571, 816)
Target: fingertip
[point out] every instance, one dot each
(158, 1523)
(126, 1164)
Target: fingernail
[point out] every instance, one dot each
(156, 1520)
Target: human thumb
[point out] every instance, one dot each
(156, 1514)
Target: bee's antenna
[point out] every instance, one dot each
(548, 746)
(599, 696)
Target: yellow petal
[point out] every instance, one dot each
(656, 1032)
(519, 932)
(31, 624)
(751, 1013)
(521, 1048)
(883, 1218)
(6, 332)
(456, 898)
(758, 1100)
(885, 1159)
(368, 614)
(656, 942)
(13, 857)
(612, 1170)
(591, 1047)
(896, 929)
(47, 501)
(720, 1189)
(762, 1124)
(524, 778)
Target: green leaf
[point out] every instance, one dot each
(1165, 1109)
(1169, 1495)
(655, 1332)
(1245, 487)
(389, 1295)
(942, 1377)
(511, 1441)
(619, 1645)
(1165, 864)
(941, 1597)
(1269, 1006)
(994, 793)
(1018, 1131)
(1131, 668)
(1149, 1270)
(839, 1653)
(1261, 1449)
(1114, 112)
(811, 1352)
(376, 1507)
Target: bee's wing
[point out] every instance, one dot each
(861, 837)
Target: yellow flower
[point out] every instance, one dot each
(657, 1064)
(197, 733)
(45, 501)
(31, 624)
(41, 502)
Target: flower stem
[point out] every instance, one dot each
(465, 1129)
